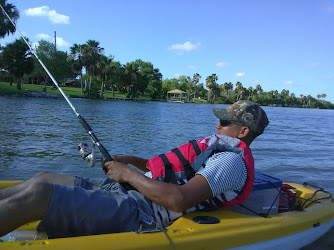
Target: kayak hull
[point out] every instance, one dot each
(288, 230)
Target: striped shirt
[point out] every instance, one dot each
(224, 171)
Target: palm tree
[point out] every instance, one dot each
(6, 27)
(258, 89)
(103, 71)
(227, 86)
(194, 82)
(208, 82)
(76, 58)
(91, 52)
(309, 98)
(116, 74)
(251, 91)
(16, 58)
(213, 87)
(196, 78)
(293, 99)
(276, 97)
(239, 90)
(302, 99)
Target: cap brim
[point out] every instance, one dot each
(221, 114)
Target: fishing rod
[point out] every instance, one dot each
(86, 126)
(83, 148)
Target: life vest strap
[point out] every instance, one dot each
(196, 147)
(189, 171)
(223, 196)
(207, 206)
(217, 202)
(169, 174)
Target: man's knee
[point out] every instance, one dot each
(42, 176)
(39, 193)
(39, 189)
(34, 199)
(53, 178)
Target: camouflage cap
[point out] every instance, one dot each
(245, 113)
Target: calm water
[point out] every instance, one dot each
(43, 134)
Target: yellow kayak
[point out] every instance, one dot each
(286, 230)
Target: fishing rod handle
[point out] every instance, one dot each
(96, 141)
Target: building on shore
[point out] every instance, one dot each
(177, 95)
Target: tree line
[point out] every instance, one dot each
(95, 73)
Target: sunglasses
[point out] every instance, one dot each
(225, 123)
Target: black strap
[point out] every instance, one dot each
(189, 171)
(207, 206)
(217, 202)
(223, 197)
(169, 174)
(237, 192)
(196, 147)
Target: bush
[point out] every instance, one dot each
(93, 92)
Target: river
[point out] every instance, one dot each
(39, 134)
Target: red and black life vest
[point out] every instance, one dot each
(171, 166)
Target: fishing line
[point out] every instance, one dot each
(86, 126)
(95, 140)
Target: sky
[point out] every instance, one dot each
(278, 44)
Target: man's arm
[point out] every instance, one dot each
(171, 196)
(133, 160)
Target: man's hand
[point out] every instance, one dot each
(129, 159)
(117, 171)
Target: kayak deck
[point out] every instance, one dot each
(233, 230)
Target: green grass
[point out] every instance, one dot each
(6, 89)
(197, 100)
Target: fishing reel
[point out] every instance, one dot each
(89, 154)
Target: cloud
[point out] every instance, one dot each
(60, 41)
(53, 16)
(192, 67)
(289, 83)
(43, 36)
(222, 64)
(241, 74)
(177, 75)
(185, 47)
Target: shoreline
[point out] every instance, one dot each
(41, 94)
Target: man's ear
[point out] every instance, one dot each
(244, 131)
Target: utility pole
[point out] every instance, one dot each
(55, 41)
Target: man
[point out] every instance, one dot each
(221, 174)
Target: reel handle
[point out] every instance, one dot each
(89, 154)
(95, 140)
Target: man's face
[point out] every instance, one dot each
(231, 130)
